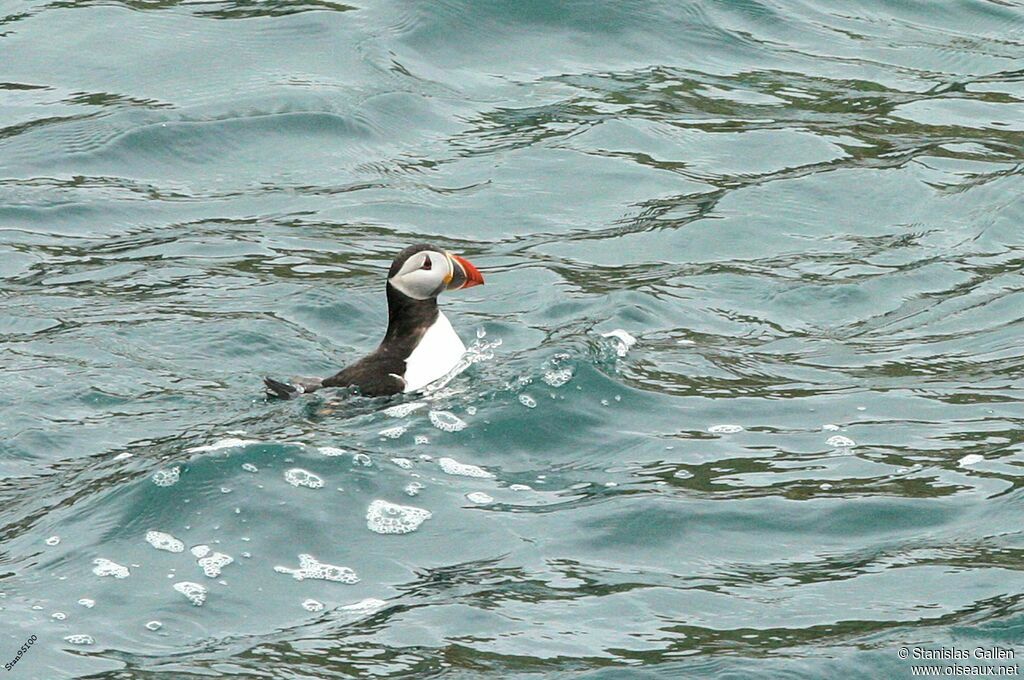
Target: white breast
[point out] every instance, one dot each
(437, 354)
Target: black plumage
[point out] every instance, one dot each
(380, 372)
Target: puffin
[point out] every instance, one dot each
(419, 346)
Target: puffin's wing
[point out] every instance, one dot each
(293, 388)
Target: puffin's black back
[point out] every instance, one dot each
(408, 319)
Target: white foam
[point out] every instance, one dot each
(300, 477)
(311, 605)
(403, 463)
(970, 459)
(167, 476)
(527, 401)
(370, 604)
(413, 489)
(200, 550)
(388, 518)
(154, 625)
(393, 432)
(624, 340)
(195, 593)
(451, 466)
(829, 427)
(841, 442)
(162, 541)
(249, 467)
(105, 567)
(447, 421)
(212, 564)
(59, 616)
(402, 410)
(310, 567)
(53, 540)
(362, 459)
(422, 439)
(520, 487)
(331, 451)
(80, 639)
(229, 443)
(557, 377)
(87, 603)
(725, 429)
(479, 497)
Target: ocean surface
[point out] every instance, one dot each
(745, 382)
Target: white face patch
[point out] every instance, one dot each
(423, 275)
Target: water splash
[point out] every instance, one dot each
(623, 341)
(229, 443)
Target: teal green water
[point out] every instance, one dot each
(808, 214)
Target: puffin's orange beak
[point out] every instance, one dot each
(464, 274)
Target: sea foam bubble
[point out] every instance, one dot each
(164, 541)
(447, 421)
(167, 476)
(402, 410)
(310, 567)
(393, 432)
(383, 517)
(195, 593)
(105, 567)
(300, 477)
(79, 639)
(213, 563)
(451, 466)
(312, 605)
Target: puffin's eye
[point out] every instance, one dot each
(427, 264)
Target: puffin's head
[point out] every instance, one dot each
(422, 272)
